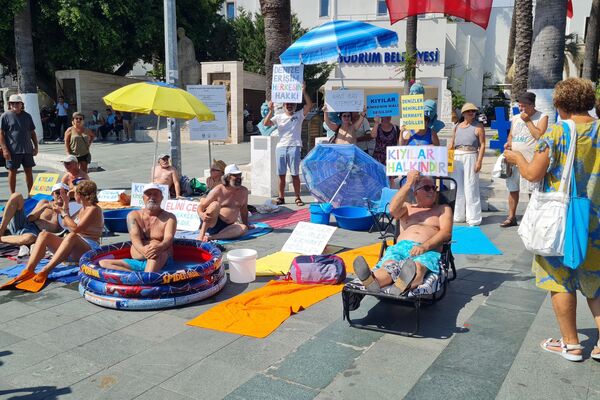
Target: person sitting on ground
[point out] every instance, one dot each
(152, 230)
(166, 174)
(224, 206)
(217, 169)
(85, 232)
(425, 226)
(24, 229)
(74, 173)
(347, 132)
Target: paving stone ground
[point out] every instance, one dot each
(480, 342)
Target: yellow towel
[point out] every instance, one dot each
(370, 253)
(279, 263)
(261, 311)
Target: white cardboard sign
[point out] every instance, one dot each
(286, 84)
(428, 160)
(345, 100)
(109, 195)
(308, 239)
(186, 213)
(215, 98)
(137, 190)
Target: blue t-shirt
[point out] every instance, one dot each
(418, 140)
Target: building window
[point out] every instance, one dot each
(230, 8)
(323, 8)
(381, 7)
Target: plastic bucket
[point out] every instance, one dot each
(242, 265)
(320, 213)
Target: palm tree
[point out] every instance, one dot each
(410, 69)
(592, 40)
(572, 53)
(524, 17)
(278, 36)
(510, 54)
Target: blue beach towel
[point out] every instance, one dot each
(471, 240)
(260, 229)
(66, 273)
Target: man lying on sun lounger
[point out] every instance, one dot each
(425, 226)
(24, 229)
(152, 230)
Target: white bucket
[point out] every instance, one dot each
(242, 265)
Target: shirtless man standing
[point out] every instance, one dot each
(224, 206)
(25, 229)
(152, 230)
(167, 175)
(74, 174)
(425, 226)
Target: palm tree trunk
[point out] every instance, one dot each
(278, 37)
(410, 71)
(592, 41)
(510, 54)
(523, 34)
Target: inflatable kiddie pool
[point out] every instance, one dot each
(196, 274)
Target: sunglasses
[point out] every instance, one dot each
(346, 116)
(78, 119)
(427, 188)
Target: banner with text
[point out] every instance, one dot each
(428, 160)
(286, 86)
(109, 195)
(413, 111)
(186, 213)
(383, 105)
(215, 98)
(137, 190)
(43, 184)
(345, 100)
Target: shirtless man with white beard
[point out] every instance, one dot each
(152, 230)
(425, 226)
(166, 174)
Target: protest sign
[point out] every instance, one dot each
(186, 213)
(428, 160)
(345, 100)
(450, 160)
(215, 98)
(308, 239)
(383, 105)
(413, 112)
(137, 190)
(43, 184)
(109, 195)
(286, 86)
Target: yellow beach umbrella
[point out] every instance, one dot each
(160, 98)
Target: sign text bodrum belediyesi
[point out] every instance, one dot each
(286, 86)
(428, 160)
(413, 111)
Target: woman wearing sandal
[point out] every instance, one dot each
(573, 98)
(289, 126)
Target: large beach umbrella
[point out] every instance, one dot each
(343, 175)
(160, 98)
(337, 38)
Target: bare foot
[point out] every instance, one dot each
(204, 238)
(418, 281)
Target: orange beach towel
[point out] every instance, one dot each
(261, 311)
(370, 253)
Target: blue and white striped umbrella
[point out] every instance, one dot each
(337, 38)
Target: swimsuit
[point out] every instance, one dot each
(140, 265)
(220, 225)
(401, 251)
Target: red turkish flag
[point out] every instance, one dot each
(476, 11)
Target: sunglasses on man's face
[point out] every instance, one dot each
(78, 119)
(427, 188)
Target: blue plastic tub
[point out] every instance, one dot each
(320, 213)
(353, 218)
(116, 220)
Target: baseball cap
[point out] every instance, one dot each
(59, 186)
(232, 169)
(151, 186)
(162, 155)
(69, 159)
(15, 98)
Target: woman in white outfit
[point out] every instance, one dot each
(468, 142)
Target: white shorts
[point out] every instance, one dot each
(516, 183)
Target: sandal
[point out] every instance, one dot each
(408, 273)
(299, 202)
(363, 272)
(279, 201)
(596, 356)
(509, 222)
(550, 344)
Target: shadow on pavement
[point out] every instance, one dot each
(38, 392)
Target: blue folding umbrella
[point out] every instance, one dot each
(343, 175)
(337, 38)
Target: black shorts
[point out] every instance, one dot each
(219, 226)
(87, 158)
(18, 159)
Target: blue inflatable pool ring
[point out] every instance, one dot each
(196, 273)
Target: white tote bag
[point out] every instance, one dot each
(542, 228)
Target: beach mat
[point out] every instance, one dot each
(284, 219)
(279, 263)
(261, 311)
(259, 229)
(66, 273)
(472, 241)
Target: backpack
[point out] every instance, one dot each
(197, 188)
(325, 268)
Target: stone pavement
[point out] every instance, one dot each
(481, 341)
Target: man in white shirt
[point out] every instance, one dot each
(62, 118)
(289, 126)
(527, 127)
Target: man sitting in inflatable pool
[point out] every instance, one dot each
(425, 226)
(74, 174)
(224, 206)
(152, 230)
(166, 174)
